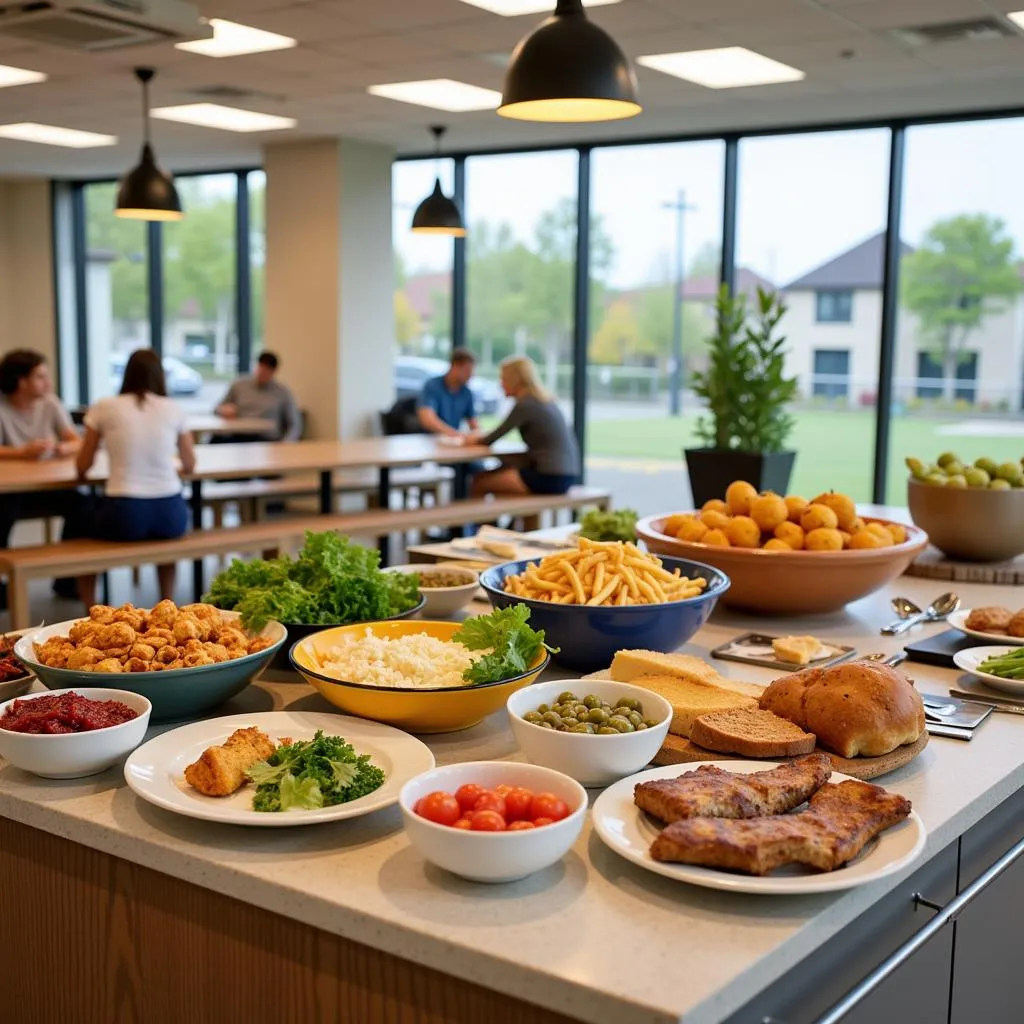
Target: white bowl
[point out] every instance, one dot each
(74, 755)
(590, 760)
(972, 657)
(493, 856)
(442, 601)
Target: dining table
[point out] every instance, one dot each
(245, 460)
(162, 917)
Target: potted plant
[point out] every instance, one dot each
(747, 394)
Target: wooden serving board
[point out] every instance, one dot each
(677, 750)
(934, 565)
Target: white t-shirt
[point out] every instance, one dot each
(142, 442)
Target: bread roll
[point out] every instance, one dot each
(858, 709)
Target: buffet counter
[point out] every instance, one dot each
(142, 915)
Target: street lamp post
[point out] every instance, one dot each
(675, 390)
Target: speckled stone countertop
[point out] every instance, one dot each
(594, 936)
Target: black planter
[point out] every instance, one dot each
(713, 469)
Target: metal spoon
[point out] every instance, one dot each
(942, 606)
(904, 608)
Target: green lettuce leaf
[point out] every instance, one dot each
(300, 794)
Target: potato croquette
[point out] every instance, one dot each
(220, 770)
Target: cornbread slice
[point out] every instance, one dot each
(627, 666)
(797, 650)
(751, 732)
(690, 700)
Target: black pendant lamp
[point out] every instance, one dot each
(437, 214)
(146, 192)
(569, 70)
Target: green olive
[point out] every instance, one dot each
(591, 701)
(566, 695)
(635, 718)
(553, 717)
(584, 727)
(569, 721)
(641, 727)
(597, 715)
(533, 716)
(632, 703)
(543, 707)
(621, 724)
(650, 723)
(545, 725)
(607, 730)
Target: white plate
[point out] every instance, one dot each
(970, 659)
(629, 832)
(958, 620)
(156, 770)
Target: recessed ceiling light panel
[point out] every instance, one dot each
(1017, 17)
(513, 8)
(440, 94)
(19, 76)
(727, 68)
(229, 119)
(232, 40)
(52, 135)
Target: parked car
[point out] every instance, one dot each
(412, 372)
(181, 378)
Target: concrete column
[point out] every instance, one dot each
(330, 276)
(27, 304)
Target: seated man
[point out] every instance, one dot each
(262, 397)
(446, 402)
(35, 425)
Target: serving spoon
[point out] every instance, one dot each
(939, 609)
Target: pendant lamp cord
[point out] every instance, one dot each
(438, 131)
(144, 75)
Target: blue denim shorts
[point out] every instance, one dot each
(546, 483)
(131, 519)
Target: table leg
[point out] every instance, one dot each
(384, 503)
(197, 524)
(326, 492)
(460, 491)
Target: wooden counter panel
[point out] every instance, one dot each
(93, 939)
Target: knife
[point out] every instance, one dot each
(996, 703)
(949, 730)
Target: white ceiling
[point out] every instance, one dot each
(854, 70)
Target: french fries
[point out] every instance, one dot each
(603, 573)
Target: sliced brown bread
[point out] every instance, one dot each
(690, 700)
(750, 732)
(629, 665)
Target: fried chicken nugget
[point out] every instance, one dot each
(185, 628)
(115, 635)
(203, 611)
(167, 654)
(108, 665)
(258, 643)
(83, 632)
(84, 657)
(217, 652)
(102, 613)
(157, 637)
(142, 651)
(220, 770)
(231, 638)
(163, 614)
(139, 665)
(197, 658)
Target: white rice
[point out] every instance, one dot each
(418, 661)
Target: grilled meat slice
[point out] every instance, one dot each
(839, 821)
(710, 792)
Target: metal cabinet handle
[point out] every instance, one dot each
(944, 915)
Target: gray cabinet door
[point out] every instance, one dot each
(918, 993)
(988, 972)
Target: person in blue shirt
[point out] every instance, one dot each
(446, 402)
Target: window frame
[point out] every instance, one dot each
(838, 307)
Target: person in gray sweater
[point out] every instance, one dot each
(262, 397)
(551, 464)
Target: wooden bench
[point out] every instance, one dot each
(252, 495)
(84, 557)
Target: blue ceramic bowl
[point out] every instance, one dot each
(182, 693)
(589, 637)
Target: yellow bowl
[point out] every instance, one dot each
(446, 709)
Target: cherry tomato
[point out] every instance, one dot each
(541, 822)
(520, 826)
(547, 805)
(517, 804)
(487, 821)
(463, 823)
(440, 808)
(490, 801)
(468, 795)
(503, 790)
(416, 806)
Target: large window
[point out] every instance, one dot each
(655, 260)
(174, 286)
(959, 381)
(811, 222)
(117, 297)
(521, 262)
(200, 334)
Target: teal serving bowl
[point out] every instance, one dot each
(177, 694)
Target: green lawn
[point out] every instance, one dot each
(834, 449)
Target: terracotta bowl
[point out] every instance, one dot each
(792, 582)
(972, 523)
